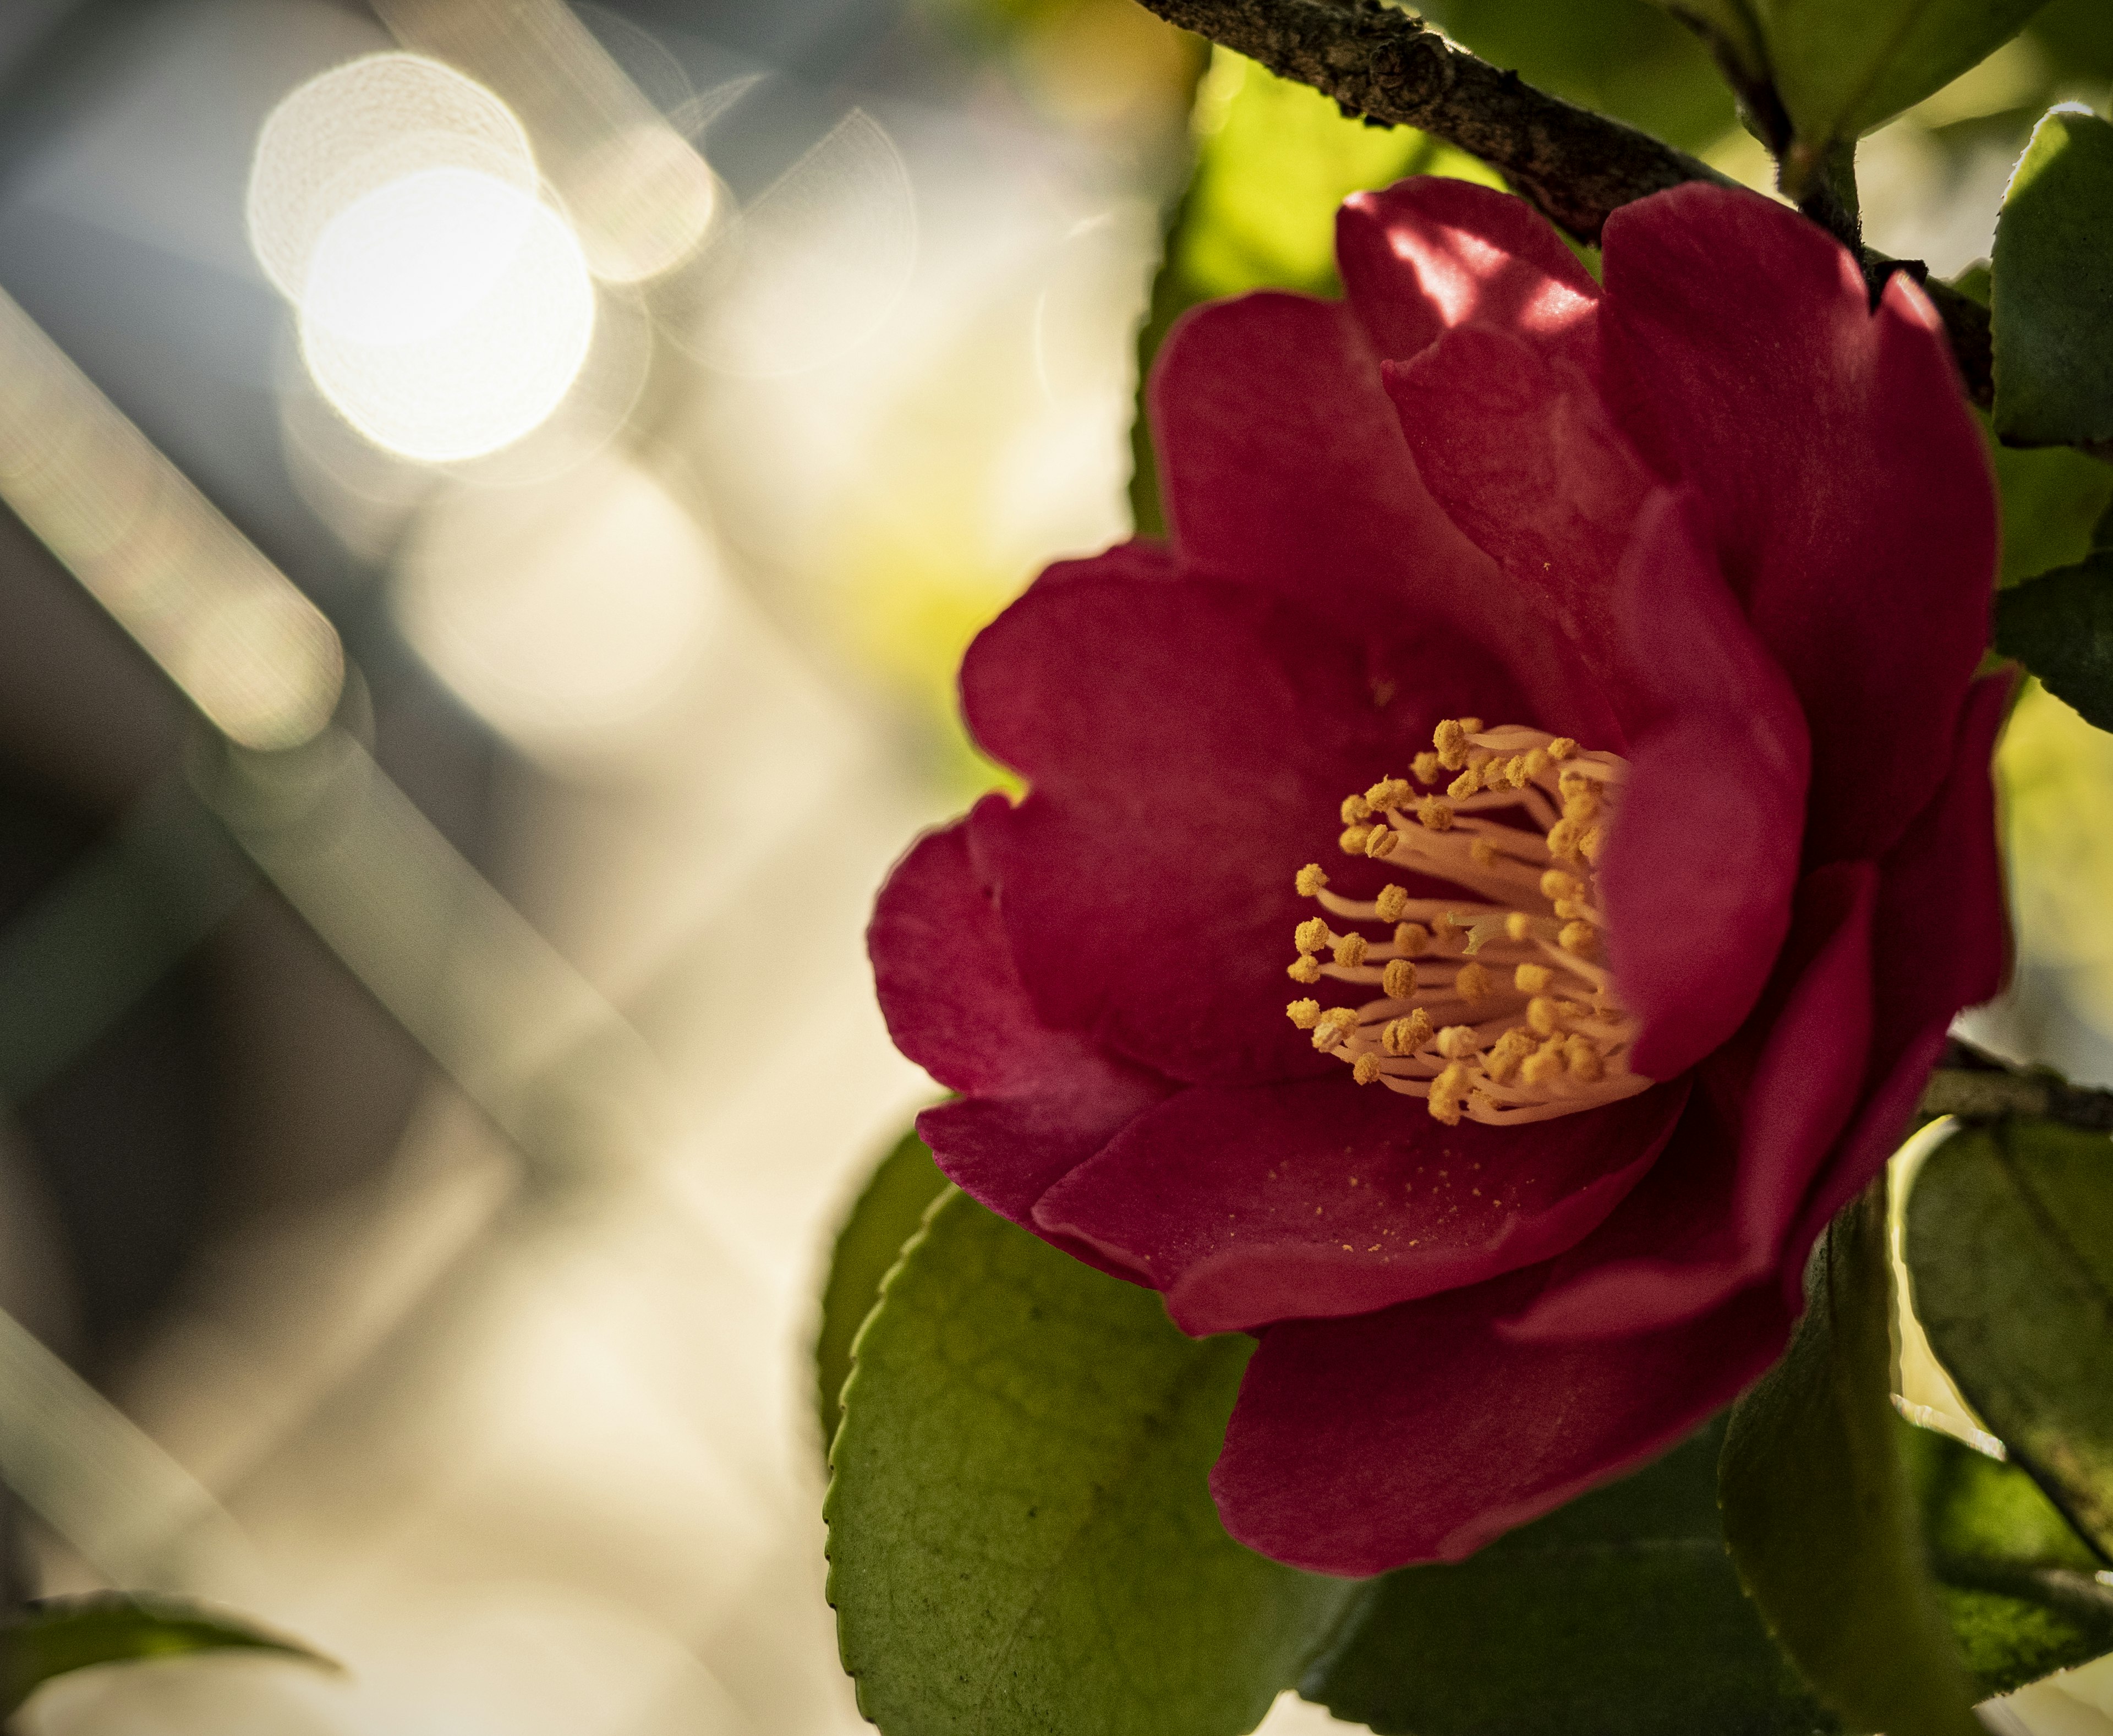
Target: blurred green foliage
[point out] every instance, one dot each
(2052, 292)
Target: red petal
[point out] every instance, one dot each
(1939, 944)
(1419, 1434)
(1522, 454)
(1849, 492)
(1715, 1213)
(1189, 746)
(1248, 1205)
(1430, 253)
(1698, 873)
(1045, 1099)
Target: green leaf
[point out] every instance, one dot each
(1837, 69)
(61, 1634)
(1818, 1509)
(886, 1214)
(2053, 288)
(1021, 1534)
(2015, 1581)
(2053, 497)
(1619, 1615)
(2061, 627)
(2010, 1250)
(1274, 160)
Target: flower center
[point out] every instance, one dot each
(1493, 1005)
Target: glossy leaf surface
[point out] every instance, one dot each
(1022, 1536)
(1819, 1513)
(2053, 286)
(2061, 627)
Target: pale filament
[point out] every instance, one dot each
(1494, 1006)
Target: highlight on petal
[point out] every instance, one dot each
(1429, 253)
(1848, 494)
(1419, 1433)
(1699, 872)
(1246, 1204)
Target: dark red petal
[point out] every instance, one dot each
(1189, 746)
(1419, 1434)
(1714, 1214)
(1521, 452)
(1849, 492)
(1430, 253)
(1939, 942)
(1248, 1205)
(1698, 873)
(954, 1004)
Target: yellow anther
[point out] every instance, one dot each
(1472, 985)
(1411, 939)
(1311, 880)
(1305, 968)
(1541, 1017)
(1335, 1025)
(1388, 793)
(1426, 767)
(1446, 1091)
(1518, 926)
(1366, 1068)
(1355, 808)
(1580, 938)
(1482, 852)
(1312, 935)
(1583, 1060)
(1380, 842)
(1505, 1055)
(1436, 816)
(1456, 1042)
(1561, 747)
(1340, 1018)
(1533, 978)
(1465, 785)
(1589, 845)
(1352, 840)
(1471, 725)
(1544, 1065)
(1567, 908)
(1398, 981)
(1405, 1036)
(1450, 739)
(1391, 903)
(1537, 762)
(1304, 1014)
(1350, 951)
(1571, 782)
(1559, 883)
(1582, 806)
(1562, 840)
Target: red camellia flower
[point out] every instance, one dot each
(1573, 688)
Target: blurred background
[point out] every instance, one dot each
(497, 490)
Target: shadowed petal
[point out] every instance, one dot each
(1715, 1213)
(1246, 1204)
(1848, 491)
(1419, 1433)
(1045, 1099)
(1698, 874)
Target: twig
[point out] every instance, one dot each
(1976, 1086)
(1575, 167)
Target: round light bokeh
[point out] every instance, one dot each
(446, 314)
(445, 310)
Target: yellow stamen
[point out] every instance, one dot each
(1518, 926)
(1380, 842)
(1354, 809)
(1436, 816)
(1391, 903)
(1456, 1042)
(1388, 793)
(1583, 1060)
(1366, 1068)
(1352, 840)
(1426, 767)
(1465, 785)
(1304, 1014)
(1541, 1017)
(1412, 940)
(1450, 739)
(1305, 968)
(1472, 985)
(1311, 880)
(1397, 982)
(1558, 883)
(1312, 935)
(1561, 747)
(1350, 951)
(1405, 1036)
(1531, 980)
(1580, 938)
